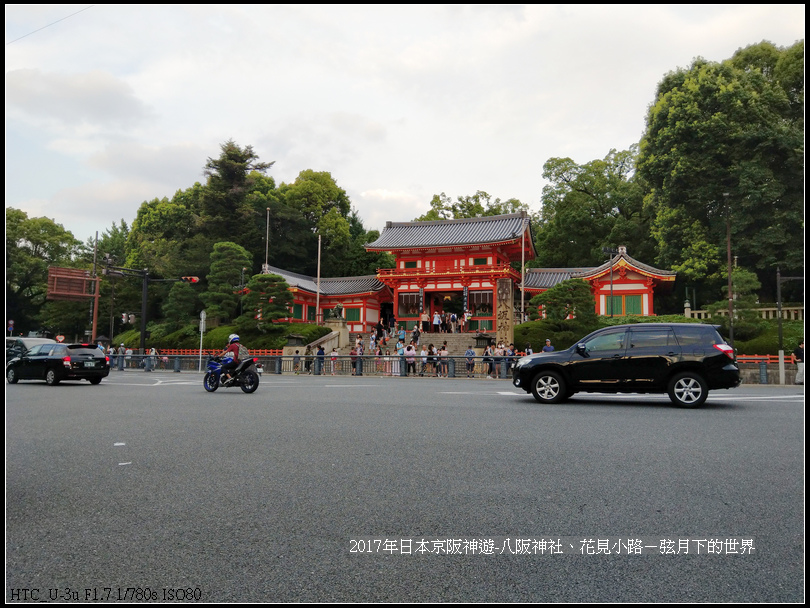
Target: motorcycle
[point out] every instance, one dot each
(245, 376)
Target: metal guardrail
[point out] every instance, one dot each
(754, 369)
(365, 365)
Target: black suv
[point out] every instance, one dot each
(685, 360)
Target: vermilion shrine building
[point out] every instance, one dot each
(466, 265)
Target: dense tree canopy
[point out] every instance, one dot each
(230, 180)
(724, 143)
(33, 244)
(267, 298)
(591, 206)
(480, 204)
(566, 299)
(229, 263)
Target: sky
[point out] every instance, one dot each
(108, 106)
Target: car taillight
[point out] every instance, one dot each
(66, 361)
(726, 350)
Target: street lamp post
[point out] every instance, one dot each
(730, 288)
(318, 316)
(267, 243)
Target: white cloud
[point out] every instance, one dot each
(124, 103)
(69, 102)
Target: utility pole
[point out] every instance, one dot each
(97, 279)
(267, 244)
(144, 291)
(318, 290)
(730, 287)
(117, 271)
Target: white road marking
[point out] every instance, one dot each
(476, 393)
(349, 385)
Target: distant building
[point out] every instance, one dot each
(465, 265)
(630, 286)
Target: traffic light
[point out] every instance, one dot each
(123, 317)
(132, 319)
(189, 279)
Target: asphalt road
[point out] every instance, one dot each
(323, 489)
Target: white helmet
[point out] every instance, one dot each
(233, 338)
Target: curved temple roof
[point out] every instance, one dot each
(545, 278)
(330, 286)
(450, 233)
(622, 259)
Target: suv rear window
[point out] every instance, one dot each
(83, 349)
(691, 334)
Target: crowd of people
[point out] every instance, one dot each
(123, 357)
(409, 357)
(438, 323)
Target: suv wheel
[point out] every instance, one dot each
(549, 387)
(11, 376)
(688, 390)
(51, 378)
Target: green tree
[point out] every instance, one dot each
(181, 305)
(115, 295)
(568, 298)
(358, 261)
(747, 321)
(159, 237)
(314, 194)
(268, 299)
(227, 263)
(479, 204)
(33, 244)
(724, 146)
(231, 177)
(293, 243)
(68, 318)
(336, 243)
(440, 209)
(591, 206)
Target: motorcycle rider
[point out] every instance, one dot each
(232, 350)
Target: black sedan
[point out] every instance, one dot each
(56, 362)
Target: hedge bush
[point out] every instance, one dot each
(188, 337)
